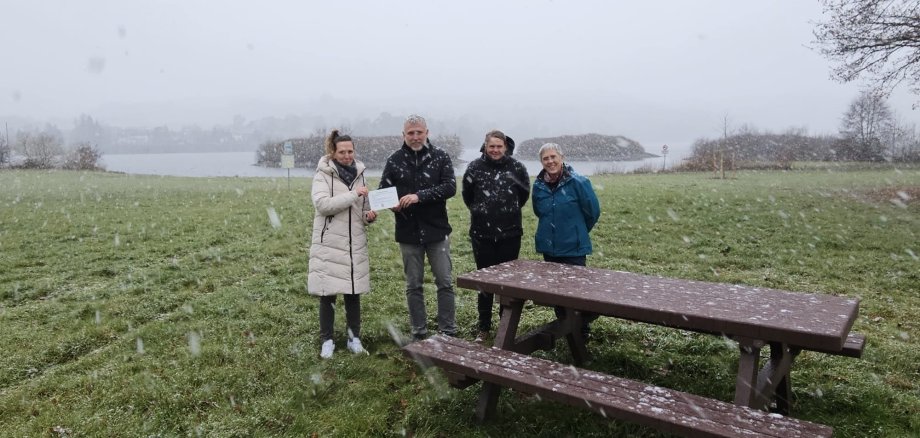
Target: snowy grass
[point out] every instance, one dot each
(146, 306)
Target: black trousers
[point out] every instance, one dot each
(327, 315)
(490, 252)
(587, 317)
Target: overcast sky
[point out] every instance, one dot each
(654, 70)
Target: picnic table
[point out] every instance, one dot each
(786, 322)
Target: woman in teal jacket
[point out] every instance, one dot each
(566, 209)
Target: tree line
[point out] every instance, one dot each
(43, 150)
(869, 132)
(874, 41)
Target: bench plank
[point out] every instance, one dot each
(667, 410)
(853, 346)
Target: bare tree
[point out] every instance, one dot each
(867, 123)
(718, 156)
(85, 156)
(40, 149)
(878, 40)
(904, 142)
(4, 150)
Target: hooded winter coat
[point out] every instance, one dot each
(495, 191)
(429, 174)
(338, 254)
(565, 214)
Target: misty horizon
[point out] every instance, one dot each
(671, 72)
(526, 118)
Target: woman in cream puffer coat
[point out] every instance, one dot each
(339, 262)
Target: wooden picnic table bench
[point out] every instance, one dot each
(613, 397)
(785, 321)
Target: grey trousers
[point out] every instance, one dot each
(327, 316)
(414, 267)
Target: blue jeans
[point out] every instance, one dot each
(414, 267)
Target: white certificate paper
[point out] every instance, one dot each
(383, 198)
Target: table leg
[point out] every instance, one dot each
(781, 357)
(504, 339)
(745, 392)
(576, 340)
(508, 323)
(758, 388)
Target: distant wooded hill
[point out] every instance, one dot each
(586, 147)
(760, 150)
(372, 151)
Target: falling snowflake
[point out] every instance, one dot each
(273, 218)
(194, 343)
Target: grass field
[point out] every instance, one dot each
(153, 306)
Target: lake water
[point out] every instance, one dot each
(241, 164)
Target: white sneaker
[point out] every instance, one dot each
(354, 345)
(326, 351)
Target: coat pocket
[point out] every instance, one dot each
(326, 223)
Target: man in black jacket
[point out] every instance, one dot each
(495, 188)
(424, 179)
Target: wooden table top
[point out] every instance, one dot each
(800, 319)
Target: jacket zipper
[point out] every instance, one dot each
(328, 218)
(351, 256)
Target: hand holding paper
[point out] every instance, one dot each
(383, 198)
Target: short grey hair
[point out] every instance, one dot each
(415, 119)
(550, 147)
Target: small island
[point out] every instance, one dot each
(371, 150)
(374, 150)
(587, 147)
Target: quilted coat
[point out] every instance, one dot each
(338, 252)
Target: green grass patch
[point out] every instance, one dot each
(142, 305)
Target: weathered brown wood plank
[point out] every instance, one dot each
(613, 397)
(810, 321)
(852, 347)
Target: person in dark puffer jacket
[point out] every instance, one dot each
(424, 179)
(495, 187)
